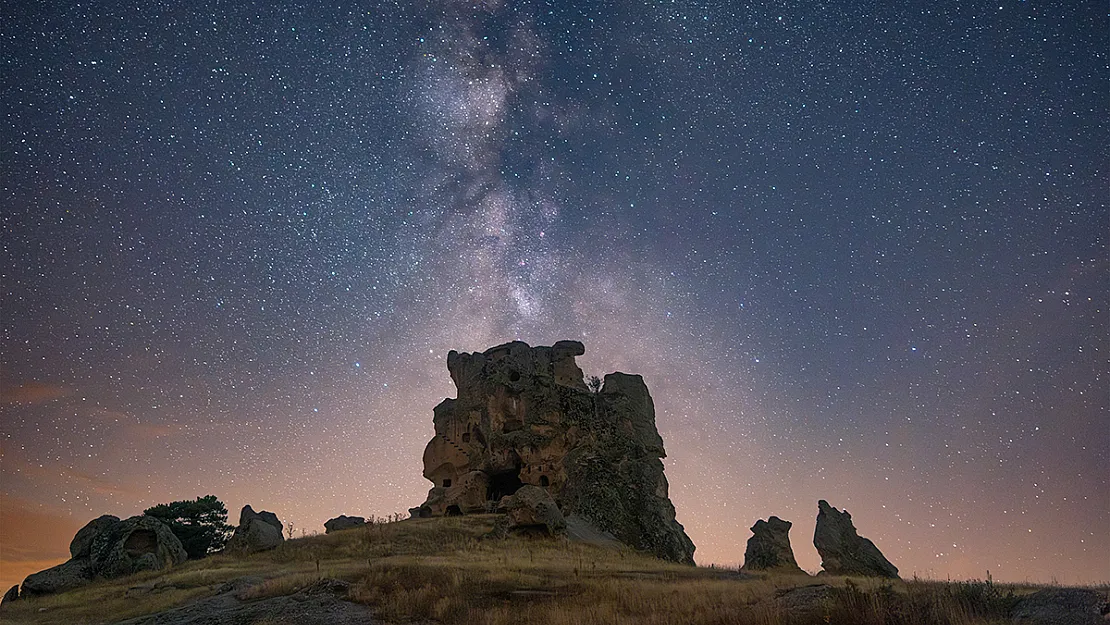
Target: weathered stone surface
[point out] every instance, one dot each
(82, 542)
(343, 522)
(11, 595)
(1063, 606)
(524, 416)
(140, 543)
(257, 531)
(769, 547)
(66, 576)
(842, 550)
(531, 507)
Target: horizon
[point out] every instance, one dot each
(858, 254)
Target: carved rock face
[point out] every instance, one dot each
(769, 547)
(843, 551)
(524, 416)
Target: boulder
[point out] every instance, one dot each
(66, 576)
(769, 547)
(531, 507)
(82, 543)
(524, 416)
(11, 595)
(1063, 606)
(343, 522)
(842, 550)
(257, 531)
(140, 543)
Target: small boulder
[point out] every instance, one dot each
(140, 543)
(82, 542)
(11, 595)
(1063, 606)
(769, 547)
(257, 531)
(843, 551)
(343, 522)
(531, 507)
(66, 576)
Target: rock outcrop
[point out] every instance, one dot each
(257, 531)
(842, 550)
(769, 547)
(1063, 606)
(343, 522)
(532, 508)
(11, 595)
(524, 416)
(108, 547)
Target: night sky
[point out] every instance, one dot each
(858, 250)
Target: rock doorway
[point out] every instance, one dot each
(503, 484)
(453, 511)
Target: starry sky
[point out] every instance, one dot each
(857, 249)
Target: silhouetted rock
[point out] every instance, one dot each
(257, 531)
(343, 522)
(11, 595)
(524, 416)
(532, 507)
(66, 576)
(140, 543)
(82, 542)
(1063, 606)
(769, 547)
(842, 550)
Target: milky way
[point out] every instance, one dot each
(858, 253)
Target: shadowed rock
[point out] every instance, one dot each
(769, 547)
(531, 507)
(842, 550)
(1063, 606)
(524, 416)
(343, 522)
(257, 531)
(11, 595)
(108, 547)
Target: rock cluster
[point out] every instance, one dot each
(769, 547)
(108, 547)
(532, 508)
(842, 550)
(343, 522)
(524, 416)
(257, 531)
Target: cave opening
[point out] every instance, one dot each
(140, 542)
(453, 511)
(503, 484)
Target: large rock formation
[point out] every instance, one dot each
(343, 522)
(257, 531)
(524, 416)
(842, 550)
(1063, 606)
(108, 547)
(769, 547)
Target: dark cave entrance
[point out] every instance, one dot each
(140, 542)
(453, 511)
(503, 484)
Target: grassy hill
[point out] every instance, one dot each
(443, 570)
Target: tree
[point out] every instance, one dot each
(200, 525)
(594, 383)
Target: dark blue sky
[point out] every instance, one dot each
(858, 251)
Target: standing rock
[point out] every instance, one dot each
(11, 595)
(343, 522)
(140, 543)
(843, 551)
(257, 531)
(82, 543)
(524, 416)
(532, 507)
(769, 547)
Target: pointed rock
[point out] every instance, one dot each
(843, 551)
(769, 548)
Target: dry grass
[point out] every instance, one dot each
(442, 570)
